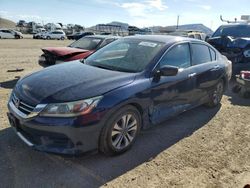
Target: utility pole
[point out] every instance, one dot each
(178, 18)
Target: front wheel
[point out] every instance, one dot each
(120, 131)
(216, 95)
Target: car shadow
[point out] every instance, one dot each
(24, 166)
(235, 98)
(10, 84)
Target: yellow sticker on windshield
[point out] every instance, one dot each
(149, 44)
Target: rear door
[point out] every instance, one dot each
(54, 35)
(207, 70)
(173, 94)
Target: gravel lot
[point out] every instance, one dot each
(200, 148)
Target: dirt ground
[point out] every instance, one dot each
(200, 148)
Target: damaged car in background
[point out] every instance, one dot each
(233, 41)
(79, 49)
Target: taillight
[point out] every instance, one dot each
(245, 74)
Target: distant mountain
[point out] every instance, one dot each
(5, 23)
(199, 27)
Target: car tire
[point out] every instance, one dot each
(17, 37)
(62, 38)
(48, 37)
(243, 93)
(236, 89)
(120, 131)
(216, 95)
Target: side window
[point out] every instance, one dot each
(213, 54)
(105, 42)
(201, 54)
(191, 36)
(178, 56)
(198, 36)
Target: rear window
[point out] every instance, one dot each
(87, 43)
(197, 36)
(201, 54)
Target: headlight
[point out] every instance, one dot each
(70, 109)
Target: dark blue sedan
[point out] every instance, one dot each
(103, 102)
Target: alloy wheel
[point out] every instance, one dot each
(218, 93)
(124, 131)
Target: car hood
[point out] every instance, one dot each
(69, 82)
(230, 42)
(63, 51)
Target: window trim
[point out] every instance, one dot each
(167, 50)
(210, 49)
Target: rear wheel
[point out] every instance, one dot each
(216, 95)
(120, 131)
(48, 37)
(62, 38)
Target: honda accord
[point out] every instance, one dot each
(104, 101)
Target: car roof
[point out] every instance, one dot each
(103, 36)
(167, 39)
(235, 25)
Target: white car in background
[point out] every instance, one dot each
(10, 34)
(60, 35)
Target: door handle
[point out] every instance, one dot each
(192, 75)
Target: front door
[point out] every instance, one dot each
(173, 94)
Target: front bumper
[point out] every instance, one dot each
(57, 135)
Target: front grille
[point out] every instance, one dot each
(21, 105)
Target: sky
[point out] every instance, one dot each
(141, 13)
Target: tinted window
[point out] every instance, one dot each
(213, 54)
(234, 31)
(87, 43)
(56, 32)
(201, 54)
(178, 56)
(191, 36)
(6, 31)
(197, 36)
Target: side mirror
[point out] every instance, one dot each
(168, 71)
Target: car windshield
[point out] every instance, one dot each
(125, 55)
(233, 31)
(87, 43)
